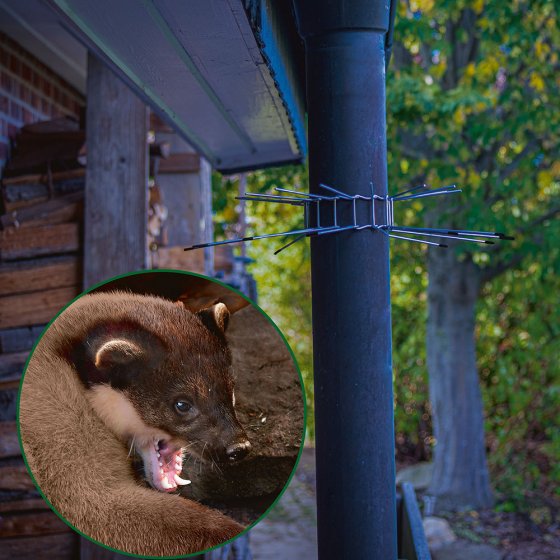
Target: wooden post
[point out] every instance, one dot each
(186, 186)
(116, 197)
(116, 200)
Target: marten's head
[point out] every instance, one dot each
(160, 377)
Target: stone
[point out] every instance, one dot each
(438, 532)
(466, 550)
(419, 475)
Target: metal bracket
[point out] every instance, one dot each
(319, 209)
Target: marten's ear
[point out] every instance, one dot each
(215, 318)
(117, 352)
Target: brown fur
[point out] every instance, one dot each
(81, 465)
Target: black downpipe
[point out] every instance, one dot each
(345, 75)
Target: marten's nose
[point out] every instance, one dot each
(238, 450)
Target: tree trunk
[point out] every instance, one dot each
(460, 478)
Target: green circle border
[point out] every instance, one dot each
(251, 302)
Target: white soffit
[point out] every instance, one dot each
(198, 64)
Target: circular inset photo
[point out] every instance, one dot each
(161, 414)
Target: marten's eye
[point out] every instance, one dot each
(182, 407)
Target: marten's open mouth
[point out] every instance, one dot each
(166, 464)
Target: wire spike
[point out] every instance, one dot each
(324, 212)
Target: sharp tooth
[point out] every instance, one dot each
(160, 464)
(166, 484)
(158, 454)
(161, 471)
(178, 468)
(181, 481)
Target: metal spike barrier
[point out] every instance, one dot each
(312, 210)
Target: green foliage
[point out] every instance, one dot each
(472, 99)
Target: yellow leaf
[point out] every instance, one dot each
(536, 82)
(474, 179)
(544, 179)
(404, 165)
(470, 70)
(459, 116)
(478, 6)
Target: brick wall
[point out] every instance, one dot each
(29, 92)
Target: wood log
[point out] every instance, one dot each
(186, 162)
(66, 208)
(177, 258)
(18, 340)
(29, 504)
(15, 477)
(63, 546)
(31, 524)
(29, 192)
(11, 368)
(34, 308)
(43, 178)
(25, 243)
(160, 149)
(223, 258)
(8, 403)
(12, 363)
(40, 274)
(9, 444)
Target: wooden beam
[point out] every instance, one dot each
(43, 178)
(40, 274)
(12, 363)
(178, 258)
(65, 208)
(32, 524)
(115, 239)
(29, 504)
(34, 308)
(29, 242)
(186, 162)
(63, 546)
(9, 444)
(15, 477)
(17, 340)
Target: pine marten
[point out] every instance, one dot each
(116, 371)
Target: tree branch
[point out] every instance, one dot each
(489, 273)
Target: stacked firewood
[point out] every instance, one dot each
(40, 271)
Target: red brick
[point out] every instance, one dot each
(15, 65)
(35, 101)
(4, 58)
(47, 88)
(37, 80)
(28, 117)
(4, 104)
(25, 94)
(26, 72)
(12, 130)
(15, 110)
(6, 82)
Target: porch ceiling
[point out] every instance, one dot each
(198, 63)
